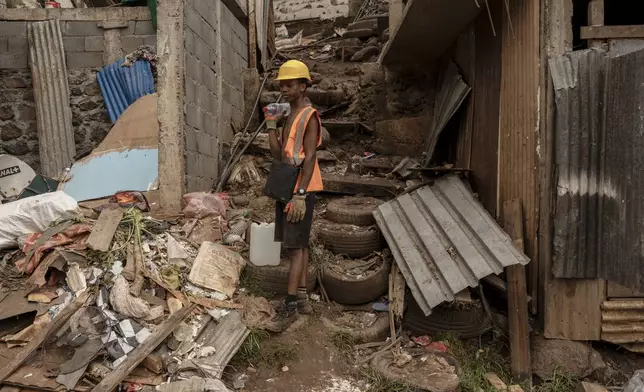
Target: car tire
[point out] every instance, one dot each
(374, 333)
(465, 323)
(353, 210)
(356, 291)
(349, 240)
(274, 279)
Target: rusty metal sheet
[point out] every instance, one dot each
(623, 323)
(444, 241)
(51, 92)
(578, 81)
(598, 132)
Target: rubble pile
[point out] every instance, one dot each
(117, 297)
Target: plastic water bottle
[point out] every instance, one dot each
(278, 109)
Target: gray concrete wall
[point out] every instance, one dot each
(215, 53)
(84, 47)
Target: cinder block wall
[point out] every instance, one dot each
(215, 53)
(84, 47)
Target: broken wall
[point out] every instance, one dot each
(86, 52)
(216, 53)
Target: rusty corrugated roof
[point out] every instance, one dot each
(444, 241)
(622, 323)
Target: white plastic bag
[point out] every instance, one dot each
(33, 215)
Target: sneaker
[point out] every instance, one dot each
(286, 315)
(303, 304)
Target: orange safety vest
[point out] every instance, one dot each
(294, 147)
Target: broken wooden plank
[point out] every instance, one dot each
(612, 32)
(33, 345)
(225, 337)
(137, 355)
(103, 232)
(517, 296)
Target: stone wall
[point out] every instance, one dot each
(85, 50)
(216, 52)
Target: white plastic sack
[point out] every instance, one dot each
(33, 215)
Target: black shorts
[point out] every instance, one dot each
(294, 235)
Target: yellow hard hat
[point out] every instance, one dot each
(293, 69)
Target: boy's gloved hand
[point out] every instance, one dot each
(296, 208)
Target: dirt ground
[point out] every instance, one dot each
(306, 349)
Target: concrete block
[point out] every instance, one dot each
(131, 43)
(204, 143)
(227, 52)
(202, 51)
(203, 97)
(209, 78)
(18, 45)
(94, 44)
(193, 67)
(236, 8)
(237, 118)
(144, 28)
(226, 33)
(82, 29)
(84, 59)
(227, 113)
(206, 12)
(227, 71)
(189, 39)
(192, 19)
(197, 184)
(14, 61)
(191, 138)
(211, 128)
(13, 29)
(150, 40)
(74, 44)
(193, 116)
(190, 90)
(403, 136)
(208, 121)
(237, 99)
(4, 45)
(210, 36)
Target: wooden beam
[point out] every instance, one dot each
(612, 32)
(517, 296)
(103, 232)
(595, 19)
(137, 355)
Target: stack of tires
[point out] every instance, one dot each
(350, 230)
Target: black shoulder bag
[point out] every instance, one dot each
(282, 179)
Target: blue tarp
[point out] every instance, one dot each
(121, 86)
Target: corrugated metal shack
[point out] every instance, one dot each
(561, 130)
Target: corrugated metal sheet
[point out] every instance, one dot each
(623, 323)
(578, 80)
(451, 94)
(51, 91)
(444, 241)
(121, 86)
(622, 226)
(519, 120)
(599, 220)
